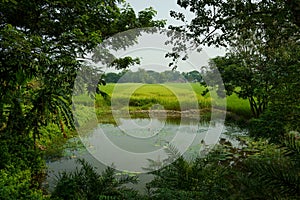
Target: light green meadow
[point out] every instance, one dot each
(169, 96)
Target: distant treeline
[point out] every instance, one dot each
(149, 76)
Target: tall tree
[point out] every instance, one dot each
(246, 70)
(216, 22)
(40, 41)
(260, 34)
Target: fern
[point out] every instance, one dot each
(281, 173)
(87, 183)
(292, 146)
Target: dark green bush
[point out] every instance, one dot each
(269, 125)
(19, 151)
(259, 170)
(21, 168)
(275, 122)
(17, 184)
(86, 183)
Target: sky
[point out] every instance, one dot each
(151, 48)
(163, 8)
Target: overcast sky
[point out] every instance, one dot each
(163, 8)
(151, 48)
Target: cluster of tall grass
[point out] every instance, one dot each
(240, 107)
(171, 96)
(168, 96)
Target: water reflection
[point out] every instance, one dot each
(140, 136)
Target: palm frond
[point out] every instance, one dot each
(280, 175)
(172, 152)
(292, 142)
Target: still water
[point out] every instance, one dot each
(130, 143)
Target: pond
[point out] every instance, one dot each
(130, 143)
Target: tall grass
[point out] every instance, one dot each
(238, 106)
(171, 96)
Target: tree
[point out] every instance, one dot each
(40, 42)
(112, 77)
(216, 22)
(193, 76)
(246, 70)
(257, 33)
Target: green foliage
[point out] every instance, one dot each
(292, 144)
(278, 174)
(263, 58)
(149, 76)
(39, 69)
(16, 184)
(246, 80)
(255, 170)
(216, 22)
(86, 183)
(39, 46)
(193, 76)
(123, 63)
(198, 179)
(275, 122)
(21, 168)
(18, 151)
(270, 125)
(51, 141)
(279, 177)
(239, 107)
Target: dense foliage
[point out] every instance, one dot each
(218, 22)
(86, 183)
(40, 42)
(262, 61)
(259, 170)
(149, 76)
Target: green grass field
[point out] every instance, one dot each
(169, 96)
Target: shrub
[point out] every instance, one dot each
(86, 183)
(269, 125)
(17, 184)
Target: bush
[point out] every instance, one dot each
(270, 125)
(198, 179)
(258, 170)
(17, 184)
(86, 183)
(18, 151)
